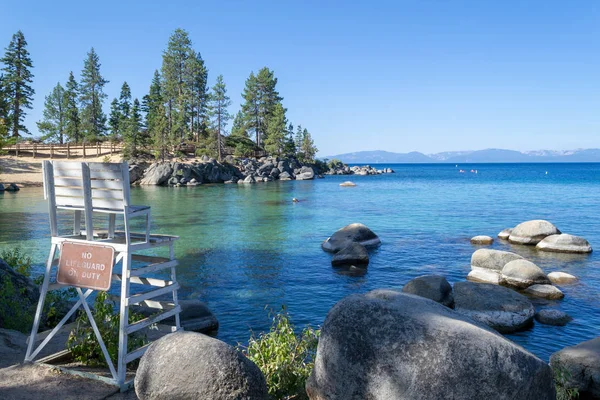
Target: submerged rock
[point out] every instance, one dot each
(505, 233)
(492, 259)
(354, 254)
(552, 317)
(580, 366)
(522, 273)
(482, 239)
(496, 306)
(433, 287)
(532, 232)
(347, 184)
(188, 365)
(386, 345)
(559, 278)
(353, 233)
(545, 292)
(564, 243)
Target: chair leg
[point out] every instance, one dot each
(124, 318)
(148, 227)
(77, 223)
(111, 225)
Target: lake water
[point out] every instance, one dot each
(244, 248)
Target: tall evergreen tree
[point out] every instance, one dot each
(308, 148)
(219, 102)
(92, 96)
(196, 82)
(298, 139)
(289, 148)
(276, 132)
(3, 113)
(239, 129)
(114, 119)
(73, 124)
(159, 131)
(125, 101)
(152, 101)
(250, 107)
(132, 135)
(175, 69)
(53, 126)
(269, 96)
(17, 82)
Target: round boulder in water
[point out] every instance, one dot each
(564, 243)
(386, 345)
(347, 184)
(552, 317)
(522, 274)
(188, 365)
(505, 233)
(545, 292)
(532, 232)
(482, 239)
(496, 306)
(353, 233)
(433, 287)
(561, 278)
(353, 254)
(484, 275)
(492, 259)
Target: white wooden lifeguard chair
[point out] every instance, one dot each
(103, 188)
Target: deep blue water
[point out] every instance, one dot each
(244, 248)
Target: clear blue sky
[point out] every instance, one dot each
(400, 76)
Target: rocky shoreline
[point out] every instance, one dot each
(238, 170)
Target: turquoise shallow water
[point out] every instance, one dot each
(244, 248)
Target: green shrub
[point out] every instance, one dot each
(18, 261)
(335, 164)
(286, 359)
(561, 377)
(82, 341)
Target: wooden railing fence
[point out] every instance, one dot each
(67, 150)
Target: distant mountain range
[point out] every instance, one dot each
(477, 156)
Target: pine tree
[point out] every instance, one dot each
(308, 149)
(125, 101)
(238, 129)
(132, 135)
(158, 129)
(175, 68)
(114, 120)
(17, 82)
(219, 101)
(289, 148)
(53, 126)
(276, 131)
(250, 108)
(3, 113)
(298, 139)
(152, 101)
(196, 77)
(92, 96)
(73, 124)
(268, 95)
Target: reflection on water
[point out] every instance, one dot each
(247, 247)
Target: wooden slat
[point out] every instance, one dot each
(105, 174)
(68, 191)
(107, 193)
(159, 305)
(145, 281)
(98, 166)
(137, 298)
(106, 184)
(152, 320)
(153, 268)
(68, 171)
(69, 201)
(113, 204)
(72, 182)
(149, 259)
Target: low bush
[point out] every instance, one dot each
(561, 377)
(285, 358)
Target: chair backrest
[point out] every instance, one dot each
(85, 186)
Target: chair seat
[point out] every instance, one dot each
(131, 209)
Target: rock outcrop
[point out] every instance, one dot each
(564, 243)
(505, 233)
(353, 233)
(433, 287)
(482, 239)
(552, 317)
(522, 274)
(532, 232)
(493, 260)
(188, 365)
(496, 306)
(387, 345)
(580, 365)
(353, 254)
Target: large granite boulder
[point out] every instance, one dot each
(305, 173)
(496, 306)
(580, 365)
(545, 292)
(532, 232)
(157, 174)
(492, 259)
(353, 254)
(285, 176)
(564, 243)
(433, 287)
(386, 345)
(189, 365)
(353, 233)
(505, 233)
(136, 172)
(484, 275)
(553, 317)
(561, 278)
(522, 274)
(19, 298)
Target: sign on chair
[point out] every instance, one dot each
(85, 266)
